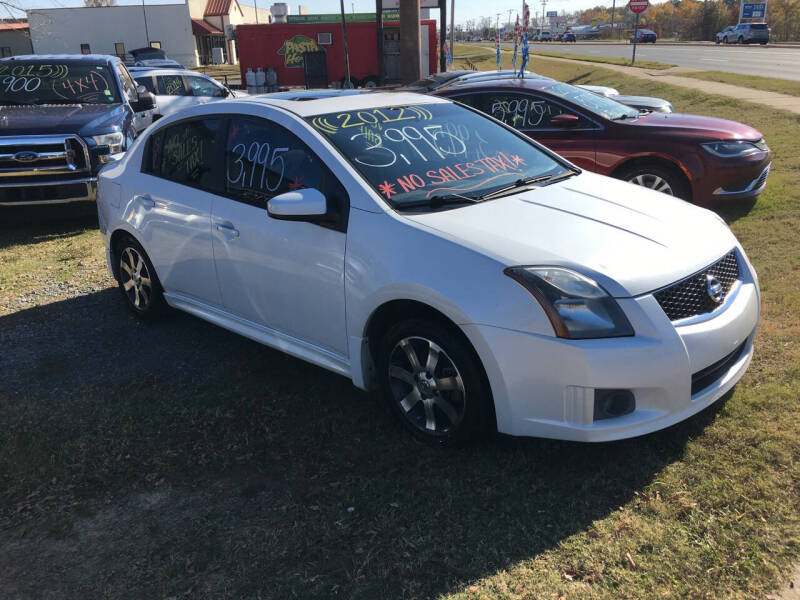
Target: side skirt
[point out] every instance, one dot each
(265, 335)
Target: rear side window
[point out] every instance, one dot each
(185, 153)
(758, 26)
(171, 85)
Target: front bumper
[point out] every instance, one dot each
(720, 180)
(48, 192)
(545, 386)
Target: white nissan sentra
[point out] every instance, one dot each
(425, 250)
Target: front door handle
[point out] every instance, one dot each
(228, 229)
(145, 200)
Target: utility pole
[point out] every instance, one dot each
(146, 34)
(613, 6)
(409, 40)
(510, 10)
(544, 3)
(348, 83)
(497, 27)
(453, 29)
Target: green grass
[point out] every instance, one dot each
(484, 55)
(188, 461)
(771, 84)
(641, 64)
(219, 71)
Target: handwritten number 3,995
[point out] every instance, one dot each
(257, 154)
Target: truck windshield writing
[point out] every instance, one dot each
(34, 83)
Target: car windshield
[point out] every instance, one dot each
(39, 82)
(414, 154)
(600, 105)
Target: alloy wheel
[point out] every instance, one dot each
(426, 385)
(654, 182)
(135, 278)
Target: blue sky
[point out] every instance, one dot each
(465, 9)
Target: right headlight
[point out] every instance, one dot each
(578, 308)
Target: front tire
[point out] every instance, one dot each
(658, 178)
(137, 280)
(433, 382)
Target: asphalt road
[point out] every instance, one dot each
(748, 60)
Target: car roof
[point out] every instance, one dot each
(163, 71)
(72, 58)
(529, 83)
(309, 103)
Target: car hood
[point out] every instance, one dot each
(630, 239)
(706, 128)
(82, 119)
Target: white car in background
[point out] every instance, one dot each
(176, 89)
(418, 247)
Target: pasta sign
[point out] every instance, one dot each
(292, 50)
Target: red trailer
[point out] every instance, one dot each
(281, 46)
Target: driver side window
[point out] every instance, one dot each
(128, 86)
(264, 159)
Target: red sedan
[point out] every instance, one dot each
(700, 159)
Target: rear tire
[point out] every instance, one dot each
(725, 40)
(659, 178)
(433, 382)
(137, 280)
(740, 40)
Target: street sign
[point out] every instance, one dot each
(754, 10)
(638, 6)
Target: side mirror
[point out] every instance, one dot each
(564, 120)
(140, 89)
(146, 101)
(307, 204)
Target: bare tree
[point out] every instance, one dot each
(99, 3)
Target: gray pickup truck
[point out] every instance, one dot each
(62, 117)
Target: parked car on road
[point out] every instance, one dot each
(644, 36)
(568, 37)
(176, 89)
(750, 33)
(544, 36)
(152, 57)
(726, 35)
(700, 159)
(62, 117)
(419, 248)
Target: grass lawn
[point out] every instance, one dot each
(220, 71)
(174, 459)
(470, 50)
(770, 84)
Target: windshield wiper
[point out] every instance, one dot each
(439, 200)
(524, 182)
(623, 117)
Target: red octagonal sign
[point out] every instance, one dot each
(638, 6)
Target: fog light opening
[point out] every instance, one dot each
(609, 404)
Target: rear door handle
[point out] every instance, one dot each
(228, 229)
(145, 200)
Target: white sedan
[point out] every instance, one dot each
(176, 89)
(423, 249)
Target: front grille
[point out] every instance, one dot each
(705, 377)
(42, 156)
(689, 297)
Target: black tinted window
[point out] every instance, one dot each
(263, 159)
(185, 153)
(147, 82)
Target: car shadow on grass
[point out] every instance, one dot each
(31, 224)
(175, 458)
